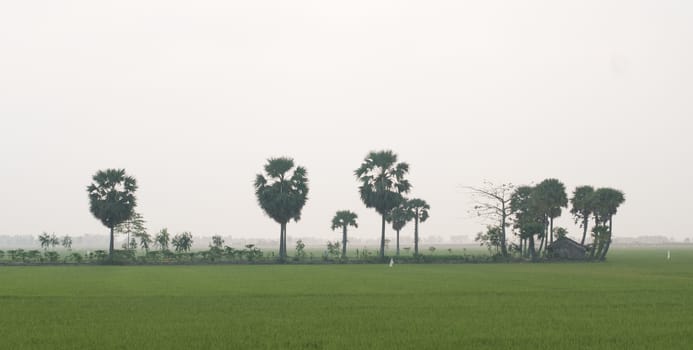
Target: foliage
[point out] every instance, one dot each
(343, 219)
(383, 184)
(162, 239)
(300, 250)
(581, 207)
(334, 249)
(66, 242)
(420, 209)
(112, 198)
(492, 238)
(182, 242)
(282, 195)
(560, 232)
(48, 241)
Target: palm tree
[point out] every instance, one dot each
(606, 202)
(45, 240)
(399, 217)
(420, 209)
(582, 207)
(551, 197)
(343, 219)
(145, 240)
(67, 242)
(382, 185)
(182, 242)
(281, 196)
(162, 238)
(112, 199)
(529, 217)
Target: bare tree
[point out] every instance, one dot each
(492, 202)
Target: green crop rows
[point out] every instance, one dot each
(636, 300)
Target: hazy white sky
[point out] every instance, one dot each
(192, 97)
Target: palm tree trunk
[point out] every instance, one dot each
(110, 247)
(382, 239)
(550, 231)
(281, 241)
(608, 241)
(398, 243)
(416, 233)
(344, 241)
(541, 243)
(532, 254)
(585, 222)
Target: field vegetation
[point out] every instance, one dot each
(635, 300)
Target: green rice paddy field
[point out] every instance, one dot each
(636, 300)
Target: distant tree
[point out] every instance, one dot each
(529, 217)
(112, 199)
(399, 216)
(45, 240)
(560, 232)
(145, 240)
(492, 202)
(162, 239)
(492, 238)
(419, 209)
(382, 185)
(217, 242)
(133, 226)
(67, 242)
(343, 219)
(182, 242)
(300, 249)
(550, 197)
(282, 195)
(333, 249)
(48, 241)
(606, 202)
(581, 203)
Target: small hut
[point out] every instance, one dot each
(566, 248)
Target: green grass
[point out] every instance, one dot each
(637, 300)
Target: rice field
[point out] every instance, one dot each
(636, 300)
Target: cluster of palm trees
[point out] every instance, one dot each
(282, 191)
(535, 207)
(383, 188)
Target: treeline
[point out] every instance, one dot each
(529, 211)
(282, 191)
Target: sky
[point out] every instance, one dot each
(191, 98)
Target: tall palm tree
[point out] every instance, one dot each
(112, 198)
(182, 242)
(45, 240)
(529, 216)
(399, 216)
(343, 219)
(582, 207)
(162, 238)
(606, 202)
(382, 185)
(420, 209)
(551, 197)
(282, 195)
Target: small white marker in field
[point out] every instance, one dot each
(668, 254)
(392, 262)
